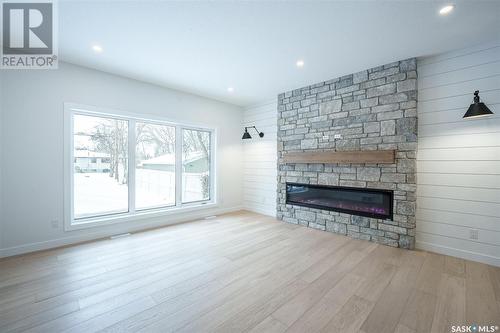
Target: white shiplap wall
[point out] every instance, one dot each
(260, 159)
(458, 160)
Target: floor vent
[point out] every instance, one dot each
(120, 236)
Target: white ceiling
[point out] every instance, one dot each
(206, 47)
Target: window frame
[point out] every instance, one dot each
(72, 223)
(209, 169)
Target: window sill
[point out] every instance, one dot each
(141, 215)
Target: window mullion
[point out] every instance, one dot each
(131, 165)
(69, 168)
(178, 166)
(212, 166)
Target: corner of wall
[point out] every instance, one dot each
(260, 159)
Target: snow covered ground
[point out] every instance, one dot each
(99, 194)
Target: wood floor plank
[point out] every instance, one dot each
(454, 266)
(495, 280)
(172, 306)
(243, 272)
(121, 246)
(269, 325)
(280, 273)
(387, 310)
(419, 312)
(351, 316)
(318, 316)
(115, 315)
(403, 329)
(481, 305)
(450, 304)
(212, 320)
(430, 274)
(329, 262)
(138, 242)
(72, 270)
(242, 289)
(374, 287)
(294, 309)
(261, 309)
(25, 323)
(108, 281)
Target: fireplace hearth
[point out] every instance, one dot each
(351, 200)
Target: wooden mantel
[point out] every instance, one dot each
(358, 156)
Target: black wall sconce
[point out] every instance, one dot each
(478, 108)
(247, 135)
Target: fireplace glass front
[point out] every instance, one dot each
(356, 201)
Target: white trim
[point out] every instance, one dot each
(213, 172)
(266, 212)
(131, 165)
(178, 166)
(449, 251)
(126, 115)
(98, 234)
(70, 109)
(211, 162)
(67, 165)
(100, 221)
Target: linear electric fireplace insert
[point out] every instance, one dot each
(356, 201)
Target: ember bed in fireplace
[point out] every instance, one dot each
(356, 201)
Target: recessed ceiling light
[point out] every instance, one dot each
(300, 63)
(446, 9)
(230, 89)
(97, 48)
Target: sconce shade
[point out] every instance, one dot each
(246, 135)
(478, 108)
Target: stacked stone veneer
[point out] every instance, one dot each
(373, 110)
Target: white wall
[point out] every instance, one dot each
(260, 159)
(458, 159)
(32, 143)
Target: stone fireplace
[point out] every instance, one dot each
(373, 110)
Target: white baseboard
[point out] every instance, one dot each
(485, 259)
(143, 225)
(261, 211)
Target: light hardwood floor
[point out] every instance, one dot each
(243, 272)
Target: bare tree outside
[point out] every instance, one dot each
(101, 165)
(111, 136)
(196, 159)
(155, 165)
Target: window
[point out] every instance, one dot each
(120, 166)
(154, 165)
(195, 165)
(97, 193)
